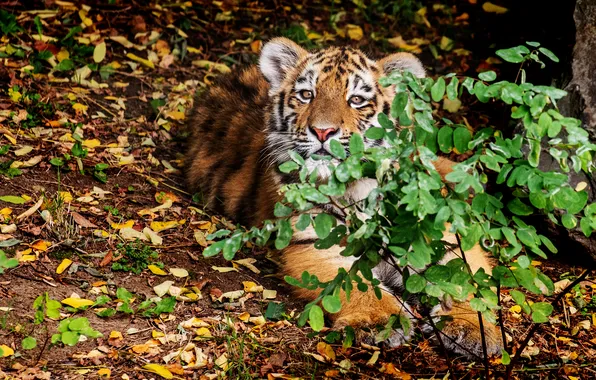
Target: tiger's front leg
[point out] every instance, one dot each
(363, 309)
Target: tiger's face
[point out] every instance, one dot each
(324, 95)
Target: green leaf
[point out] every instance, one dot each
(213, 249)
(549, 54)
(488, 76)
(70, 338)
(106, 313)
(29, 343)
(331, 303)
(445, 139)
(13, 199)
(541, 311)
(415, 283)
(505, 358)
(569, 221)
(375, 133)
(437, 91)
(303, 222)
(356, 144)
(232, 246)
(323, 224)
(518, 207)
(275, 311)
(398, 105)
(284, 234)
(513, 55)
(288, 167)
(337, 149)
(461, 139)
(523, 261)
(280, 210)
(315, 318)
(79, 323)
(452, 89)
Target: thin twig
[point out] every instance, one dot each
(536, 326)
(500, 312)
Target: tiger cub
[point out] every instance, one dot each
(297, 100)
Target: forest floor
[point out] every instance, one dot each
(94, 208)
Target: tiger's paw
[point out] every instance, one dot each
(463, 336)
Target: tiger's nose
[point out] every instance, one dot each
(323, 134)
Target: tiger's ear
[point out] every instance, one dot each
(402, 62)
(278, 57)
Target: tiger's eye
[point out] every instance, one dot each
(356, 100)
(306, 94)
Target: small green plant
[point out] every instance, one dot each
(44, 306)
(8, 23)
(135, 258)
(6, 263)
(70, 331)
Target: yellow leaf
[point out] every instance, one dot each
(176, 115)
(144, 62)
(244, 317)
(23, 151)
(119, 226)
(159, 370)
(224, 269)
(101, 233)
(157, 334)
(248, 263)
(515, 309)
(203, 332)
(25, 258)
(77, 302)
(80, 108)
(62, 55)
(99, 53)
(14, 95)
(6, 351)
(116, 335)
(204, 64)
(399, 43)
(160, 226)
(123, 41)
(179, 272)
(93, 143)
(65, 196)
(493, 8)
(251, 287)
(6, 211)
(104, 372)
(156, 270)
(41, 245)
(355, 32)
(326, 350)
(63, 265)
(269, 294)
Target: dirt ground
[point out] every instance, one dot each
(68, 221)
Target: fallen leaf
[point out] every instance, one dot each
(355, 32)
(224, 269)
(104, 372)
(153, 236)
(132, 234)
(179, 272)
(23, 151)
(251, 287)
(81, 220)
(160, 226)
(144, 62)
(99, 52)
(41, 245)
(163, 288)
(12, 199)
(269, 294)
(208, 64)
(159, 370)
(156, 270)
(31, 210)
(63, 265)
(493, 8)
(326, 350)
(6, 351)
(119, 226)
(77, 302)
(248, 263)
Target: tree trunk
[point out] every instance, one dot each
(581, 104)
